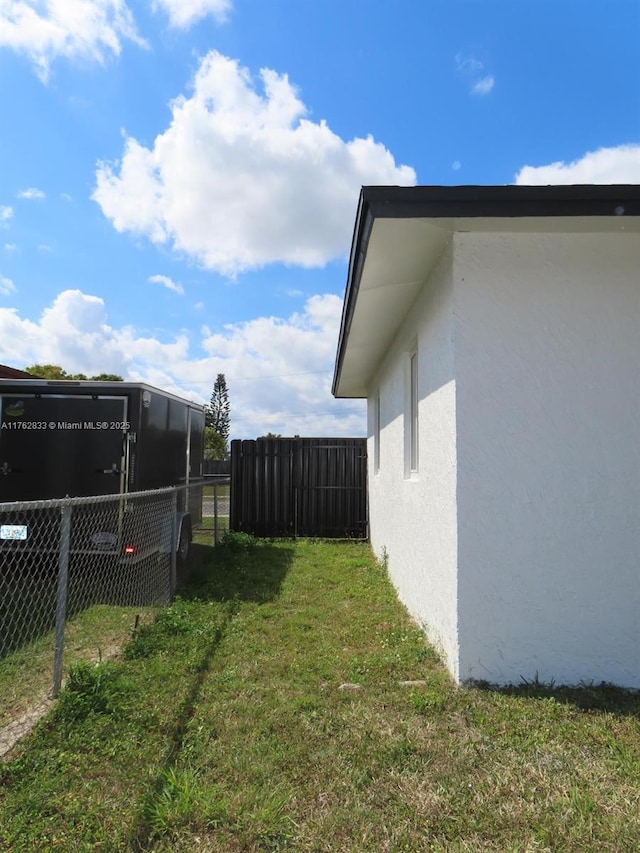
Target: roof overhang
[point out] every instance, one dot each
(400, 232)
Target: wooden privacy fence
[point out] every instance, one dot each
(216, 467)
(300, 487)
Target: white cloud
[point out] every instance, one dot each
(472, 71)
(617, 165)
(44, 30)
(31, 193)
(183, 13)
(10, 247)
(483, 86)
(468, 65)
(74, 333)
(66, 197)
(242, 178)
(89, 30)
(6, 286)
(167, 282)
(278, 370)
(6, 213)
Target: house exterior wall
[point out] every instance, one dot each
(413, 515)
(547, 355)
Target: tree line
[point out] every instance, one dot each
(54, 371)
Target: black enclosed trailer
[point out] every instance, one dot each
(68, 438)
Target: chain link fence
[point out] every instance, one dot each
(216, 503)
(78, 574)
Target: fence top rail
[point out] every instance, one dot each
(56, 503)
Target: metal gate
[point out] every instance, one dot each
(300, 487)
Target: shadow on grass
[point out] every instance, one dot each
(29, 593)
(250, 572)
(28, 596)
(143, 832)
(590, 698)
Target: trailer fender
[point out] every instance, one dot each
(183, 537)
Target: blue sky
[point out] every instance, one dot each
(179, 179)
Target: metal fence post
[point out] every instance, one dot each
(215, 513)
(61, 600)
(174, 542)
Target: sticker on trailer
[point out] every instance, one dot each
(17, 532)
(15, 410)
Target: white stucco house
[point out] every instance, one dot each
(495, 332)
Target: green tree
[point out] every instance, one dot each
(217, 416)
(54, 371)
(47, 371)
(215, 447)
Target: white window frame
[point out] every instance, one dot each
(376, 432)
(412, 456)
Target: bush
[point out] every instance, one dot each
(239, 541)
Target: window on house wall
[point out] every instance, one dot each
(413, 412)
(376, 433)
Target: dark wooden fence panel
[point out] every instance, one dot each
(262, 487)
(300, 487)
(216, 467)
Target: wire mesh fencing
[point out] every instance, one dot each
(77, 575)
(216, 504)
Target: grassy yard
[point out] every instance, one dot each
(268, 709)
(91, 633)
(26, 674)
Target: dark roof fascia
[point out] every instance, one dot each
(436, 202)
(451, 202)
(360, 241)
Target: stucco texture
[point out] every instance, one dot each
(516, 543)
(413, 517)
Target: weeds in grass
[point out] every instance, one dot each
(180, 802)
(171, 622)
(26, 674)
(90, 689)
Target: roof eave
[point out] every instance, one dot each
(467, 202)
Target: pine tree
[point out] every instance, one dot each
(217, 415)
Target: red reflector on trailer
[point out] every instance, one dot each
(129, 549)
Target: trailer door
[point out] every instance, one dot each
(52, 445)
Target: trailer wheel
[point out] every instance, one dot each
(184, 544)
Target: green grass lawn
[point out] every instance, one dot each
(223, 491)
(264, 711)
(26, 673)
